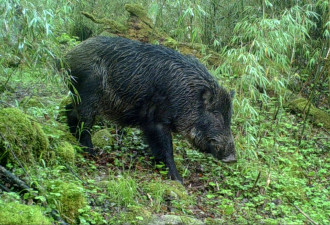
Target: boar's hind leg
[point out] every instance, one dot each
(160, 140)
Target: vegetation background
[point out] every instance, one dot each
(275, 54)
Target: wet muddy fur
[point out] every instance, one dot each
(151, 87)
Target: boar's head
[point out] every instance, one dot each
(211, 132)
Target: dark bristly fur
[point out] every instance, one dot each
(154, 88)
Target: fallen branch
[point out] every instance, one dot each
(21, 184)
(4, 188)
(14, 155)
(13, 179)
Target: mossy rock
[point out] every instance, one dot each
(23, 135)
(318, 116)
(16, 213)
(66, 152)
(102, 138)
(161, 191)
(138, 11)
(172, 189)
(69, 198)
(134, 215)
(174, 219)
(110, 25)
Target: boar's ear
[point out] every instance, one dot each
(232, 93)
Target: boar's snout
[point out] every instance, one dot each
(229, 156)
(229, 159)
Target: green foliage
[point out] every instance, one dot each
(122, 190)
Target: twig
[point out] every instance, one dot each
(4, 188)
(23, 186)
(255, 183)
(302, 212)
(14, 155)
(75, 174)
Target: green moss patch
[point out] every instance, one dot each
(160, 191)
(16, 213)
(102, 138)
(318, 116)
(28, 102)
(133, 215)
(24, 136)
(68, 198)
(66, 151)
(138, 11)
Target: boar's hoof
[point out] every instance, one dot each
(229, 159)
(177, 178)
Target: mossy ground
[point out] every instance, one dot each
(23, 136)
(66, 152)
(69, 199)
(15, 213)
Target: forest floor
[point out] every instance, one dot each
(283, 180)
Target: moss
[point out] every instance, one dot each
(171, 43)
(138, 11)
(68, 198)
(102, 138)
(213, 221)
(160, 191)
(111, 25)
(318, 116)
(134, 215)
(115, 27)
(176, 190)
(24, 136)
(16, 213)
(28, 102)
(66, 151)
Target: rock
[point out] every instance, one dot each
(173, 219)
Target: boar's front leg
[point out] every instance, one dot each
(81, 119)
(160, 141)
